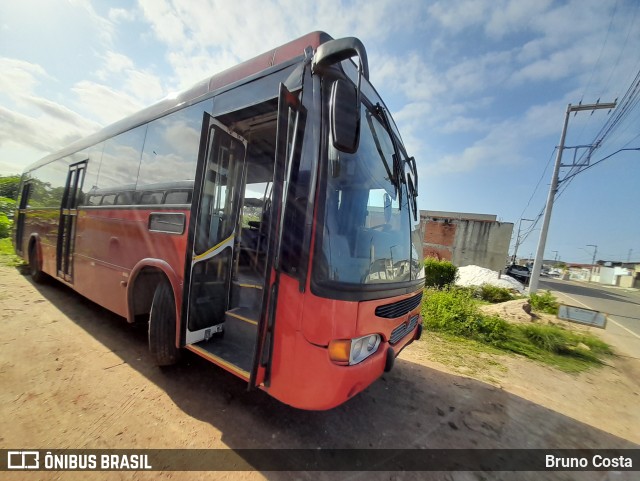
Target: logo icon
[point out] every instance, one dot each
(23, 460)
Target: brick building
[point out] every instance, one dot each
(466, 239)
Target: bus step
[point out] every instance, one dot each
(247, 294)
(241, 327)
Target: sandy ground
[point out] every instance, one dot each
(73, 375)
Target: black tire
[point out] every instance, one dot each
(162, 326)
(34, 266)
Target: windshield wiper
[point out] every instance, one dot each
(398, 161)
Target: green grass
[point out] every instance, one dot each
(454, 312)
(8, 257)
(494, 294)
(544, 302)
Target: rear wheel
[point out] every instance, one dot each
(162, 326)
(34, 265)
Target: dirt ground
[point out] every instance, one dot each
(73, 375)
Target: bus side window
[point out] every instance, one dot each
(178, 197)
(124, 198)
(151, 198)
(108, 199)
(94, 200)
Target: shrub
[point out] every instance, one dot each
(5, 226)
(544, 302)
(547, 338)
(439, 273)
(495, 294)
(9, 186)
(455, 311)
(7, 206)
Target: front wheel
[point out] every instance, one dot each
(162, 326)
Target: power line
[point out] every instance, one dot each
(570, 177)
(538, 184)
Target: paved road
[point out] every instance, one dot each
(622, 307)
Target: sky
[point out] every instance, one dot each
(478, 89)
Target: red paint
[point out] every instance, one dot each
(113, 245)
(302, 375)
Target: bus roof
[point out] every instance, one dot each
(277, 56)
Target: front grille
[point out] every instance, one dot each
(400, 308)
(403, 329)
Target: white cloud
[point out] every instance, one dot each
(60, 113)
(19, 77)
(106, 104)
(506, 142)
(39, 133)
(461, 14)
(121, 15)
(196, 31)
(103, 28)
(115, 62)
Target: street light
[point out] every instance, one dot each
(593, 262)
(515, 249)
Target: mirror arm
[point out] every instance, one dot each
(338, 50)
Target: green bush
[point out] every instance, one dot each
(5, 226)
(495, 294)
(7, 206)
(456, 311)
(544, 302)
(439, 273)
(9, 186)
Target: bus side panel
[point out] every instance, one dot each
(43, 224)
(110, 242)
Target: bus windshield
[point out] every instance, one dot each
(370, 234)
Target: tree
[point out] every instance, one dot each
(9, 186)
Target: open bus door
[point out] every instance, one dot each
(288, 135)
(68, 218)
(230, 287)
(27, 188)
(213, 229)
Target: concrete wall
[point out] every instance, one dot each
(625, 281)
(612, 276)
(478, 240)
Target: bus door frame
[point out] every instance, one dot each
(68, 220)
(288, 137)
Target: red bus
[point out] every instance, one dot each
(265, 219)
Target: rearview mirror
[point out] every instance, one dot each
(345, 98)
(345, 116)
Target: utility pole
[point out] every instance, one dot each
(593, 261)
(537, 264)
(629, 256)
(555, 258)
(515, 250)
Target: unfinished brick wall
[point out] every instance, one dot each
(439, 236)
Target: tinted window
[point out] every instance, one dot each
(121, 159)
(94, 200)
(90, 184)
(178, 197)
(124, 198)
(48, 184)
(171, 148)
(151, 198)
(108, 199)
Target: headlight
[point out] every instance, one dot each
(353, 351)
